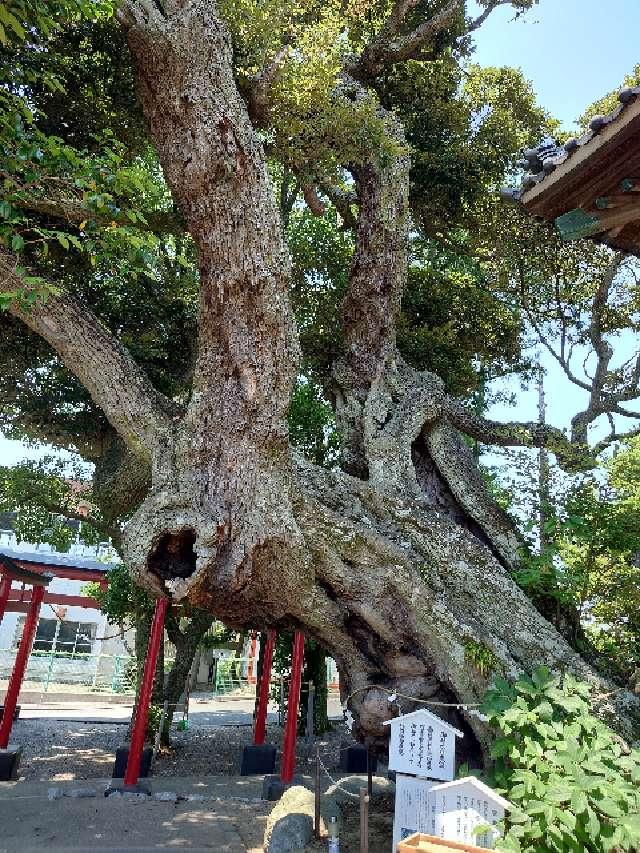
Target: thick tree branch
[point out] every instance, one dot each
(392, 46)
(89, 350)
(482, 17)
(342, 200)
(259, 88)
(110, 532)
(73, 212)
(570, 456)
(234, 440)
(376, 282)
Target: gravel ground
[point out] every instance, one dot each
(63, 750)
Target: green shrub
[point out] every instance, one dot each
(573, 783)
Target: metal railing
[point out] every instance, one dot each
(232, 677)
(65, 672)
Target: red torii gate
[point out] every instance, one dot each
(38, 581)
(37, 575)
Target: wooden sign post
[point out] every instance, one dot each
(422, 744)
(428, 800)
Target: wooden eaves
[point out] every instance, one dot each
(590, 187)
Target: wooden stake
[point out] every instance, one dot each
(364, 821)
(317, 814)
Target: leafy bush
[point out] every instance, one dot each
(573, 783)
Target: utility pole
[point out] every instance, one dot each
(543, 467)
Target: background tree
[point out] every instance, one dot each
(127, 605)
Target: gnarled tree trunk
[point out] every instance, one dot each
(397, 565)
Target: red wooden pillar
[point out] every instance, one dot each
(291, 729)
(20, 664)
(263, 698)
(5, 589)
(144, 699)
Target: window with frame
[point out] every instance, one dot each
(63, 636)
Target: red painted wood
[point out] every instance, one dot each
(291, 728)
(20, 665)
(54, 598)
(72, 573)
(144, 699)
(5, 591)
(17, 607)
(263, 698)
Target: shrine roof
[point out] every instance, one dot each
(17, 573)
(60, 560)
(421, 712)
(590, 186)
(472, 780)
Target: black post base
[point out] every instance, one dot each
(122, 756)
(120, 788)
(258, 760)
(9, 763)
(353, 759)
(273, 787)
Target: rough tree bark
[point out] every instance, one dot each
(394, 565)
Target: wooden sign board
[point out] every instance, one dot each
(458, 809)
(421, 843)
(422, 744)
(413, 808)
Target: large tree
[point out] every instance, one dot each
(398, 562)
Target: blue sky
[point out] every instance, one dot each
(573, 51)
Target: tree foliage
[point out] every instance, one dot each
(574, 785)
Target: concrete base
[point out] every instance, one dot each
(122, 756)
(258, 760)
(273, 787)
(353, 759)
(9, 763)
(141, 787)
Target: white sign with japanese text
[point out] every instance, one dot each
(422, 744)
(457, 809)
(413, 808)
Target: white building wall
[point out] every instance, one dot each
(73, 670)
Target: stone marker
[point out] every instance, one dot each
(290, 824)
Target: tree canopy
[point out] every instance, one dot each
(259, 274)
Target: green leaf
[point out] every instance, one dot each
(17, 243)
(579, 802)
(11, 21)
(567, 818)
(62, 239)
(610, 808)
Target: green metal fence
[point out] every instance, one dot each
(231, 677)
(68, 672)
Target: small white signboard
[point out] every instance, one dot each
(413, 807)
(423, 744)
(458, 808)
